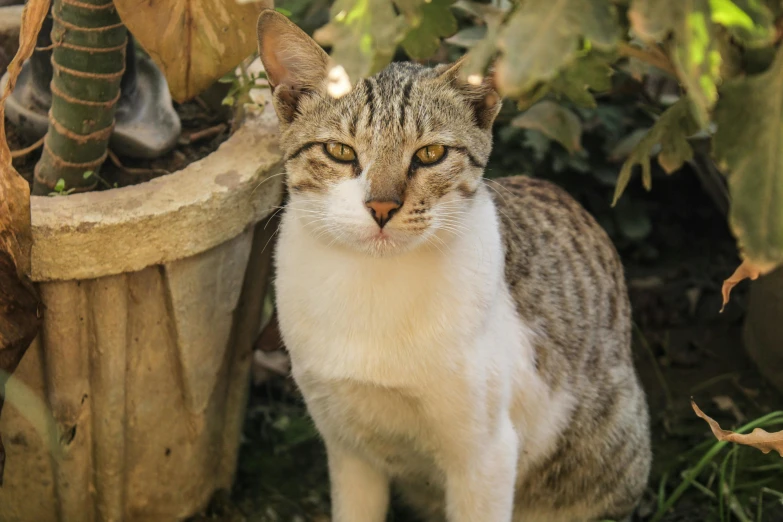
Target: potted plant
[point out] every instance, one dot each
(151, 293)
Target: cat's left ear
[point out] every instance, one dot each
(478, 90)
(295, 65)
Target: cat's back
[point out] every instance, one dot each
(563, 273)
(567, 282)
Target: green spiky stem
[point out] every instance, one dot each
(88, 59)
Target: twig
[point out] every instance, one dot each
(135, 171)
(203, 134)
(27, 150)
(201, 103)
(655, 58)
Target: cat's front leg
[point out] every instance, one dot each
(480, 484)
(360, 492)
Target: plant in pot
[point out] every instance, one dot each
(151, 293)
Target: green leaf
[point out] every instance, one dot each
(587, 73)
(87, 174)
(468, 37)
(429, 21)
(554, 121)
(749, 21)
(626, 146)
(363, 35)
(695, 54)
(60, 185)
(671, 131)
(542, 36)
(748, 147)
(482, 52)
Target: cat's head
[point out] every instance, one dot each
(391, 165)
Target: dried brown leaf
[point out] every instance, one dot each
(19, 319)
(760, 439)
(194, 42)
(746, 270)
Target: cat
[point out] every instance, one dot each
(464, 341)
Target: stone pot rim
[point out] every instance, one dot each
(97, 234)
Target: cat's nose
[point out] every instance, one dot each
(382, 211)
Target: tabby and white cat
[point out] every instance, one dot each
(468, 346)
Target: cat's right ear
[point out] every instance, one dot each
(294, 63)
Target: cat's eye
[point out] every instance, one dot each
(430, 154)
(340, 151)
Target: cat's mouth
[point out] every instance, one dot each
(381, 241)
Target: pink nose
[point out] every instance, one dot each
(382, 211)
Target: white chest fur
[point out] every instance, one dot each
(395, 354)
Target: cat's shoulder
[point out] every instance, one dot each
(524, 202)
(543, 228)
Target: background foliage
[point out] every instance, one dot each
(709, 73)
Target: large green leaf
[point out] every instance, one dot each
(363, 35)
(542, 36)
(749, 21)
(695, 52)
(554, 121)
(482, 51)
(748, 146)
(429, 21)
(671, 132)
(590, 72)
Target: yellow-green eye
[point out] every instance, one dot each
(430, 154)
(340, 151)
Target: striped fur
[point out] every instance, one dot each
(473, 353)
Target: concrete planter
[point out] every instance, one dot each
(153, 298)
(763, 333)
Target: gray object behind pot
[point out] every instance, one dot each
(146, 124)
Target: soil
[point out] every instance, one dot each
(203, 130)
(683, 348)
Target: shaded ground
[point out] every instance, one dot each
(683, 347)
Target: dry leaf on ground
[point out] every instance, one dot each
(758, 438)
(745, 271)
(19, 321)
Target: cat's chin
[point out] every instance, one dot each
(380, 245)
(375, 243)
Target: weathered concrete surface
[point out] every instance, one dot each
(153, 297)
(172, 217)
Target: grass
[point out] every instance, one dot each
(731, 496)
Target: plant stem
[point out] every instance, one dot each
(89, 61)
(654, 58)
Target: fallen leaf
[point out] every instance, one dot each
(760, 439)
(194, 42)
(726, 403)
(19, 320)
(693, 295)
(746, 270)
